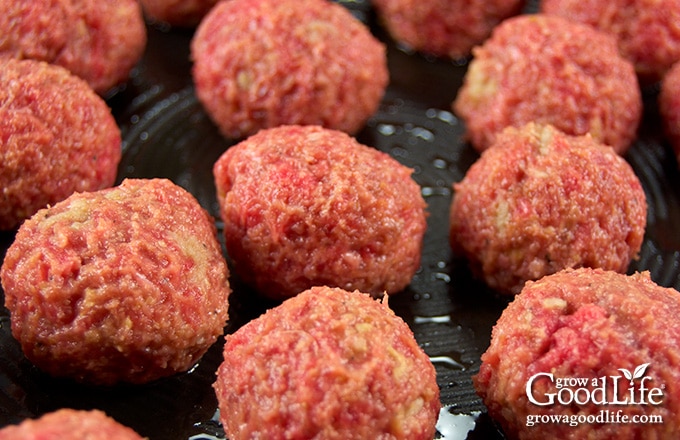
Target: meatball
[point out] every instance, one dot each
(601, 346)
(183, 13)
(444, 28)
(306, 206)
(70, 424)
(127, 284)
(550, 70)
(56, 137)
(646, 31)
(263, 63)
(327, 364)
(99, 41)
(669, 108)
(539, 201)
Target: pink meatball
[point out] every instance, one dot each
(538, 201)
(126, 284)
(584, 339)
(646, 31)
(539, 68)
(69, 424)
(99, 41)
(306, 206)
(444, 28)
(327, 364)
(263, 63)
(56, 137)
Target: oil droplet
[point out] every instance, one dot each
(205, 437)
(440, 163)
(420, 133)
(443, 319)
(212, 429)
(419, 296)
(455, 426)
(442, 115)
(447, 361)
(386, 129)
(442, 276)
(429, 191)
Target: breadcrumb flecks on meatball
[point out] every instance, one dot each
(328, 364)
(546, 69)
(69, 424)
(589, 324)
(126, 284)
(263, 63)
(99, 41)
(56, 137)
(669, 108)
(538, 201)
(646, 31)
(306, 206)
(444, 28)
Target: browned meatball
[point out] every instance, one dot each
(586, 353)
(263, 63)
(56, 137)
(646, 31)
(306, 206)
(70, 424)
(124, 284)
(99, 41)
(549, 70)
(538, 201)
(669, 108)
(184, 13)
(327, 364)
(444, 28)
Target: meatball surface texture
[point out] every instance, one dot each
(646, 31)
(444, 28)
(546, 69)
(56, 137)
(538, 201)
(126, 284)
(99, 41)
(264, 63)
(306, 206)
(327, 364)
(69, 424)
(614, 332)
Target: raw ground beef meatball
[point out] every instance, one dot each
(70, 424)
(56, 137)
(183, 13)
(327, 364)
(550, 70)
(538, 201)
(669, 108)
(613, 331)
(127, 284)
(647, 31)
(305, 206)
(263, 63)
(99, 41)
(444, 28)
